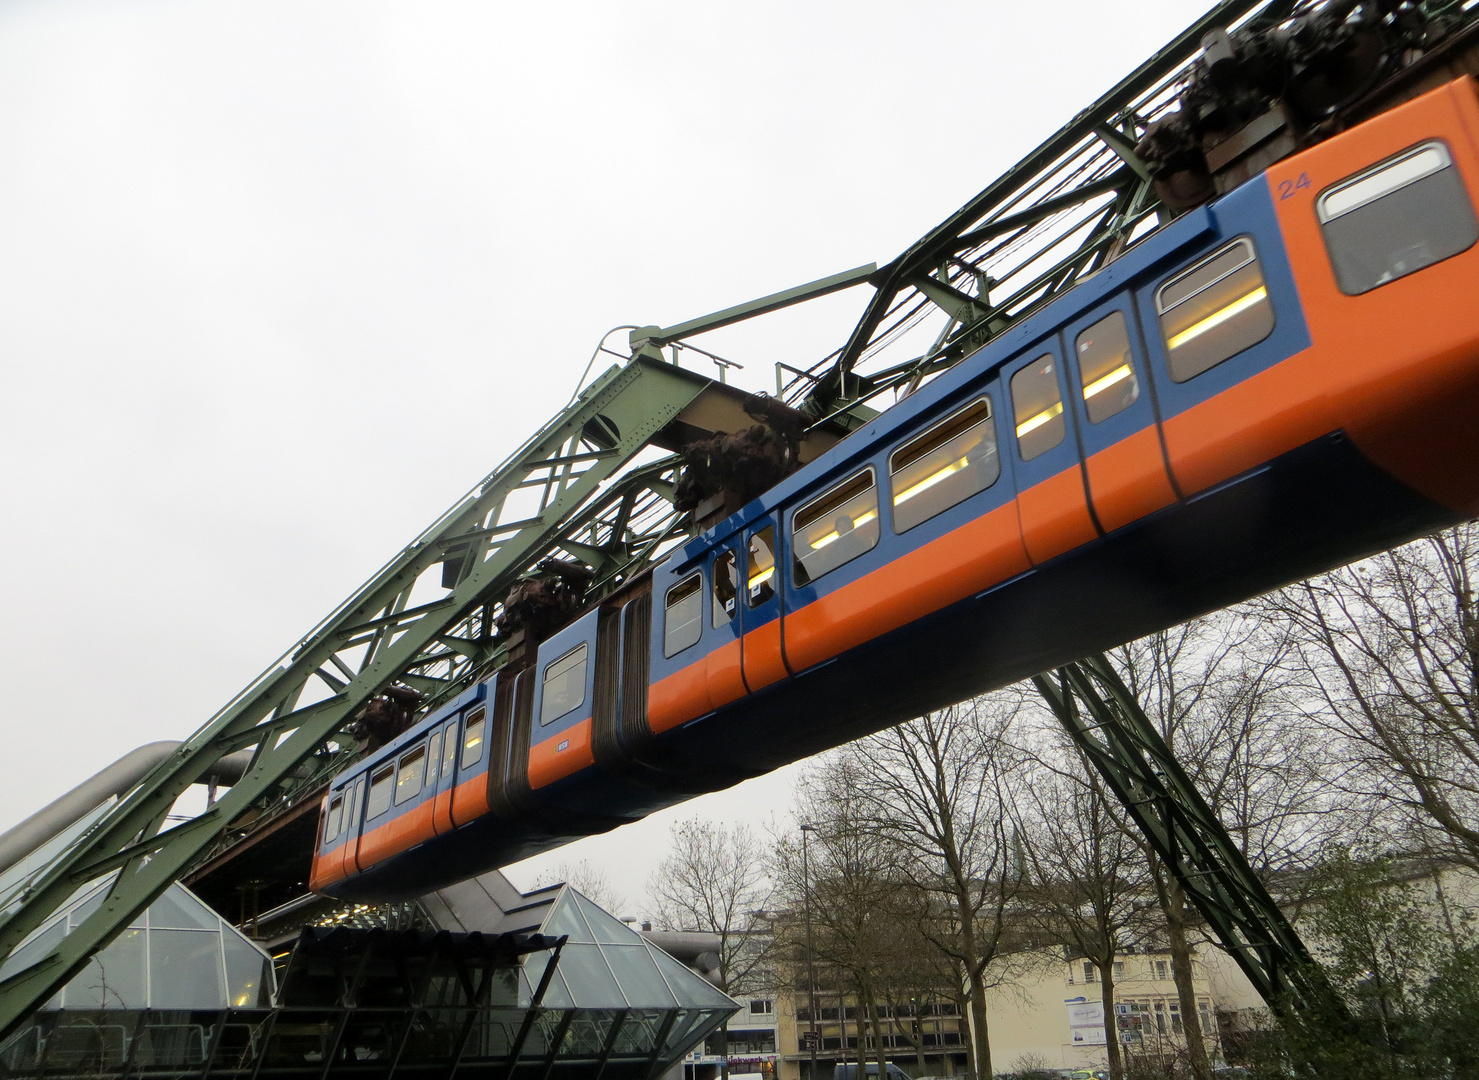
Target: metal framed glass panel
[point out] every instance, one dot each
(1038, 405)
(1214, 310)
(683, 613)
(564, 685)
(835, 528)
(1396, 218)
(1106, 367)
(946, 465)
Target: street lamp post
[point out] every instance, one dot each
(814, 1036)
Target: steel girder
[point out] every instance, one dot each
(560, 492)
(1041, 227)
(1107, 724)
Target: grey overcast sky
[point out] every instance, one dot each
(279, 280)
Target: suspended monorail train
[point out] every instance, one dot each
(1274, 384)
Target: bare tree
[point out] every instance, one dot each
(716, 879)
(1388, 651)
(1087, 878)
(940, 791)
(590, 881)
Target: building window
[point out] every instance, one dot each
(761, 1007)
(1397, 218)
(1089, 973)
(1160, 969)
(1119, 969)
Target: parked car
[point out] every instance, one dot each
(849, 1071)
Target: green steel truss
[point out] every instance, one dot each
(1052, 219)
(1120, 741)
(559, 494)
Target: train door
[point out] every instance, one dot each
(762, 656)
(560, 732)
(354, 819)
(1114, 406)
(723, 666)
(469, 787)
(441, 769)
(1052, 504)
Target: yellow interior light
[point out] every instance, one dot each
(1035, 422)
(822, 541)
(930, 481)
(1119, 374)
(1218, 317)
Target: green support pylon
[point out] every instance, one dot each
(372, 640)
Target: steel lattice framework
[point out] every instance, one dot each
(590, 487)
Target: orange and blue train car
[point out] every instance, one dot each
(1270, 386)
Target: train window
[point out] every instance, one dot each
(1039, 408)
(683, 615)
(379, 800)
(1214, 310)
(1106, 368)
(351, 815)
(449, 749)
(564, 685)
(836, 527)
(472, 739)
(1397, 218)
(412, 771)
(334, 817)
(726, 588)
(761, 584)
(946, 465)
(433, 756)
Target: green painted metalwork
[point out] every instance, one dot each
(1107, 724)
(559, 493)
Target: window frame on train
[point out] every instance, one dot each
(1105, 377)
(472, 738)
(815, 510)
(408, 784)
(433, 758)
(936, 437)
(1355, 226)
(671, 644)
(334, 815)
(724, 610)
(766, 589)
(383, 778)
(1049, 415)
(545, 697)
(1255, 317)
(450, 746)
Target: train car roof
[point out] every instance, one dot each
(1156, 247)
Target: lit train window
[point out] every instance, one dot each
(1106, 369)
(946, 465)
(379, 800)
(1397, 218)
(472, 739)
(1039, 408)
(564, 685)
(1214, 310)
(433, 756)
(351, 815)
(761, 584)
(335, 815)
(726, 588)
(408, 778)
(449, 749)
(683, 615)
(835, 528)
